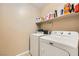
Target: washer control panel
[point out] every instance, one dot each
(69, 38)
(69, 34)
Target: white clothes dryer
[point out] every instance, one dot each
(35, 43)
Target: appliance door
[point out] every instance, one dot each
(50, 50)
(34, 42)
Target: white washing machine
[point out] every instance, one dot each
(59, 43)
(35, 43)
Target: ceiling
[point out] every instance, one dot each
(39, 5)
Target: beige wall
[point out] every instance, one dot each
(51, 7)
(70, 23)
(16, 23)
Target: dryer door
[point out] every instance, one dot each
(50, 50)
(34, 42)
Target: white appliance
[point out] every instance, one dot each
(35, 43)
(59, 43)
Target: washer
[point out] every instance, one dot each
(59, 43)
(34, 43)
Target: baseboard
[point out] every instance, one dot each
(26, 53)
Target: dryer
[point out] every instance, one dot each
(59, 43)
(35, 43)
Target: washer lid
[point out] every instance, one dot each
(69, 38)
(38, 34)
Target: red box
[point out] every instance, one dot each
(76, 9)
